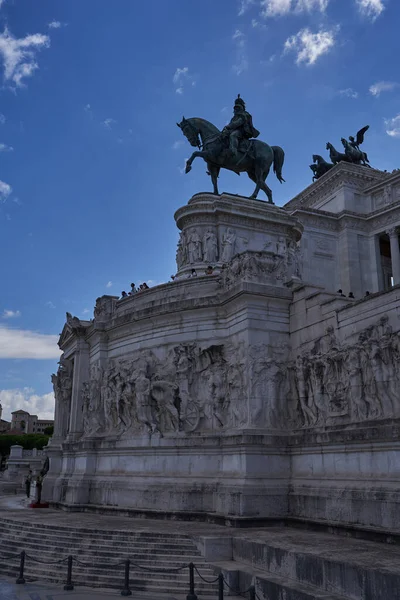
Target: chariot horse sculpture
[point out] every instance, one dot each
(233, 149)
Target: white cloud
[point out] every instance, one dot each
(181, 78)
(382, 86)
(177, 144)
(86, 311)
(310, 46)
(257, 25)
(54, 25)
(371, 8)
(26, 399)
(50, 304)
(154, 282)
(393, 126)
(18, 55)
(180, 73)
(21, 343)
(182, 169)
(241, 63)
(279, 8)
(11, 314)
(5, 191)
(109, 284)
(5, 148)
(348, 93)
(2, 119)
(108, 123)
(244, 6)
(275, 8)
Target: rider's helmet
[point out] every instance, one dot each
(240, 102)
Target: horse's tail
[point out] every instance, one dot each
(279, 158)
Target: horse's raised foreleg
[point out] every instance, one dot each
(196, 154)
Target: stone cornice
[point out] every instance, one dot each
(342, 174)
(231, 209)
(70, 335)
(390, 179)
(313, 217)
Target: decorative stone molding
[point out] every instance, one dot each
(354, 176)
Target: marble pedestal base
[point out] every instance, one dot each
(206, 477)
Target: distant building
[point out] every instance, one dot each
(23, 422)
(4, 425)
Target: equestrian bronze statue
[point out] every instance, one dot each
(234, 148)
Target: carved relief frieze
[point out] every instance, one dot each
(350, 383)
(190, 389)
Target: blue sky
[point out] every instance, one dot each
(91, 160)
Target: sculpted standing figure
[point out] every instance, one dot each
(143, 408)
(62, 385)
(240, 127)
(194, 247)
(359, 408)
(381, 384)
(228, 245)
(180, 251)
(210, 247)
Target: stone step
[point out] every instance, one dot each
(115, 546)
(182, 556)
(112, 580)
(356, 569)
(85, 531)
(164, 561)
(273, 587)
(95, 565)
(96, 535)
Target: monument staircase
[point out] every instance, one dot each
(283, 563)
(98, 551)
(288, 563)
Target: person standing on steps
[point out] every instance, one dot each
(39, 483)
(28, 482)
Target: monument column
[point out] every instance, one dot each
(393, 234)
(81, 374)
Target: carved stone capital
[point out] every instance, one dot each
(393, 231)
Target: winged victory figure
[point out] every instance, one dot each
(352, 148)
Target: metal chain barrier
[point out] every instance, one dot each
(205, 580)
(175, 570)
(46, 562)
(126, 591)
(98, 565)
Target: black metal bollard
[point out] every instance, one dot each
(220, 587)
(252, 592)
(126, 591)
(21, 578)
(191, 595)
(68, 584)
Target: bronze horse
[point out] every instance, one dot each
(256, 158)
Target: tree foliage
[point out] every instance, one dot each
(28, 441)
